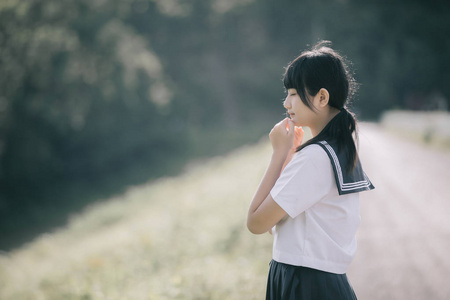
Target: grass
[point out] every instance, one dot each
(50, 207)
(180, 237)
(431, 128)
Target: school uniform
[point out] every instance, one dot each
(315, 244)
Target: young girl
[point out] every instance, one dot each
(309, 200)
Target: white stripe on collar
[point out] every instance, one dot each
(346, 187)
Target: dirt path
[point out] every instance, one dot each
(404, 237)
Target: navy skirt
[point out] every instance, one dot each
(287, 282)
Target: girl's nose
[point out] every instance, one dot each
(286, 104)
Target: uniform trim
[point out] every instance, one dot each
(360, 180)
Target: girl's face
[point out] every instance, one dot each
(299, 113)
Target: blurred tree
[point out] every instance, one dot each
(83, 95)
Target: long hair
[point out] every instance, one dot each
(323, 67)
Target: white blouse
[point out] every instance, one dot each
(320, 232)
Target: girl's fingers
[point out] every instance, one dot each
(280, 127)
(298, 136)
(291, 126)
(284, 125)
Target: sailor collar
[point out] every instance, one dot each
(346, 182)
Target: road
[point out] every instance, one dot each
(404, 236)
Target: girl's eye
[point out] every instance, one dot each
(292, 94)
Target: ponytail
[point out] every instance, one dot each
(340, 130)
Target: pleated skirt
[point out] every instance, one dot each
(287, 282)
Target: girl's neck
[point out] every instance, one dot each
(322, 120)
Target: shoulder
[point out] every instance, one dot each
(313, 153)
(312, 157)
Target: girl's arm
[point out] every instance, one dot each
(264, 212)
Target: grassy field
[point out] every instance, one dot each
(61, 198)
(181, 237)
(427, 127)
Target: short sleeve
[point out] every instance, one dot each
(305, 180)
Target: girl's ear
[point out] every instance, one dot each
(324, 97)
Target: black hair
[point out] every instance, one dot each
(323, 67)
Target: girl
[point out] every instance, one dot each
(309, 200)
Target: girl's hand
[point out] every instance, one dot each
(297, 142)
(282, 136)
(298, 138)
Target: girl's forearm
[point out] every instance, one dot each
(271, 175)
